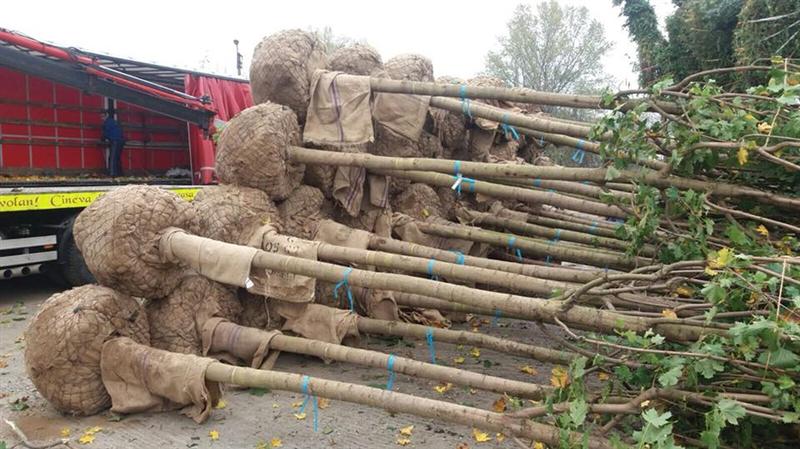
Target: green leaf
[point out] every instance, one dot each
(652, 417)
(671, 376)
(730, 411)
(577, 411)
(779, 358)
(255, 391)
(612, 173)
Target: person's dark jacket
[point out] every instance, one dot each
(112, 131)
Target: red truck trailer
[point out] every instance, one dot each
(53, 161)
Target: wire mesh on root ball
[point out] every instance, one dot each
(302, 212)
(118, 236)
(419, 201)
(357, 59)
(64, 341)
(410, 67)
(231, 213)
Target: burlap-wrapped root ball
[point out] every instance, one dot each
(302, 212)
(119, 233)
(65, 339)
(231, 213)
(252, 150)
(419, 201)
(282, 67)
(356, 59)
(451, 127)
(409, 67)
(176, 322)
(259, 311)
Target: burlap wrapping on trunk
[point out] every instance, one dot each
(175, 321)
(337, 234)
(222, 262)
(402, 114)
(319, 322)
(339, 113)
(303, 210)
(281, 285)
(221, 338)
(64, 341)
(282, 67)
(499, 210)
(252, 150)
(406, 228)
(481, 142)
(373, 219)
(143, 379)
(118, 235)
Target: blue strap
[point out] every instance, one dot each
(511, 240)
(496, 319)
(390, 368)
(586, 183)
(579, 154)
(457, 168)
(346, 284)
(313, 399)
(541, 141)
(464, 101)
(459, 181)
(459, 256)
(508, 129)
(431, 347)
(430, 270)
(593, 227)
(537, 182)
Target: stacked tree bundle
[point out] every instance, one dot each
(690, 303)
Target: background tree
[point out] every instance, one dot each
(557, 49)
(332, 40)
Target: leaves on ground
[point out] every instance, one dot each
(500, 437)
(403, 441)
(480, 437)
(475, 352)
(459, 360)
(500, 405)
(670, 314)
(537, 445)
(559, 377)
(527, 369)
(761, 229)
(443, 388)
(275, 442)
(323, 403)
(407, 430)
(89, 435)
(221, 404)
(65, 432)
(300, 415)
(214, 435)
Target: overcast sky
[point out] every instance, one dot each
(199, 34)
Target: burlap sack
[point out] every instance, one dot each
(223, 339)
(282, 67)
(402, 114)
(303, 210)
(277, 284)
(64, 342)
(339, 113)
(406, 229)
(356, 59)
(176, 321)
(318, 322)
(232, 213)
(481, 142)
(348, 188)
(142, 379)
(118, 235)
(251, 151)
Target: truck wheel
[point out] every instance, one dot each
(73, 267)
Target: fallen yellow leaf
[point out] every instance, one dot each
(458, 360)
(500, 437)
(94, 430)
(475, 352)
(65, 432)
(403, 441)
(711, 272)
(221, 404)
(527, 369)
(761, 229)
(442, 388)
(669, 313)
(275, 405)
(559, 377)
(480, 437)
(214, 435)
(741, 155)
(297, 404)
(86, 438)
(407, 430)
(644, 404)
(538, 445)
(323, 403)
(764, 128)
(275, 442)
(500, 405)
(261, 445)
(602, 376)
(300, 415)
(684, 291)
(720, 259)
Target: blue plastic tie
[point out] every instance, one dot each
(459, 256)
(457, 168)
(541, 141)
(313, 399)
(346, 284)
(593, 227)
(431, 347)
(390, 368)
(508, 129)
(496, 319)
(464, 101)
(537, 182)
(579, 154)
(511, 240)
(430, 270)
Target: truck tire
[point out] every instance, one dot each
(73, 267)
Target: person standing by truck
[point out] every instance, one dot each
(112, 133)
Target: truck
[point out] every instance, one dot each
(53, 160)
